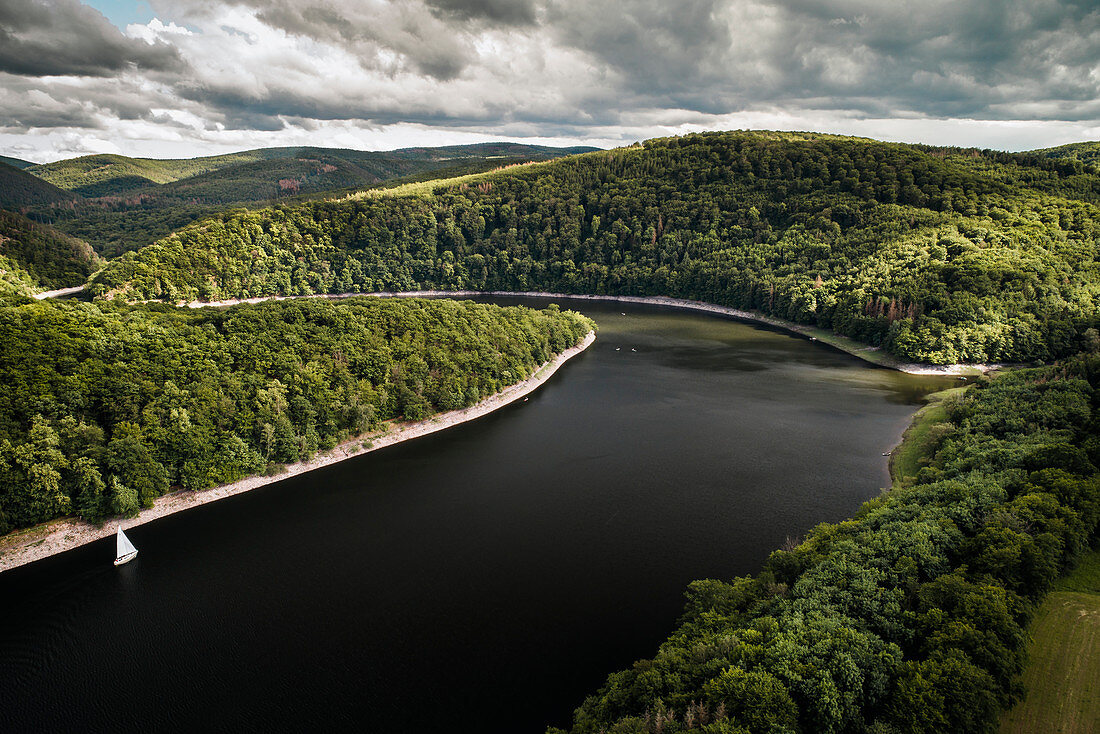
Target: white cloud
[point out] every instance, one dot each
(387, 73)
(155, 30)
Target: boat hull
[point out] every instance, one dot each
(126, 558)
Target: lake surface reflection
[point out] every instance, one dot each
(485, 579)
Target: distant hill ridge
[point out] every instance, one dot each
(1087, 152)
(20, 189)
(117, 175)
(131, 202)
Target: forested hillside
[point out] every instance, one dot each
(105, 407)
(119, 224)
(108, 174)
(117, 175)
(131, 202)
(909, 618)
(936, 255)
(115, 228)
(35, 257)
(20, 189)
(1083, 152)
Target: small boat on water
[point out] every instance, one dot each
(125, 550)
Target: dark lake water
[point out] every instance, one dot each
(485, 579)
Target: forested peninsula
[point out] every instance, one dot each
(107, 406)
(937, 255)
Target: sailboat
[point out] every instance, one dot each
(126, 551)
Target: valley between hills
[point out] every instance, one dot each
(911, 616)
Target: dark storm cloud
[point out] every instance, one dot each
(507, 12)
(988, 59)
(659, 46)
(987, 42)
(274, 111)
(862, 56)
(89, 102)
(388, 37)
(253, 120)
(63, 37)
(551, 67)
(31, 117)
(975, 58)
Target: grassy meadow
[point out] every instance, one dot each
(1063, 675)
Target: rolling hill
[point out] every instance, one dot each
(318, 170)
(936, 256)
(20, 189)
(254, 175)
(1088, 152)
(132, 202)
(116, 175)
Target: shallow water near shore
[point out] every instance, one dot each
(483, 579)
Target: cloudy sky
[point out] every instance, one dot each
(175, 78)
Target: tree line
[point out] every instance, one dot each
(105, 407)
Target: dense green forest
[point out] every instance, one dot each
(36, 257)
(1083, 152)
(115, 225)
(113, 229)
(105, 407)
(937, 255)
(909, 618)
(132, 202)
(19, 189)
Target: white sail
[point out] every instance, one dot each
(125, 547)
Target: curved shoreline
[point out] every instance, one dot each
(42, 541)
(873, 355)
